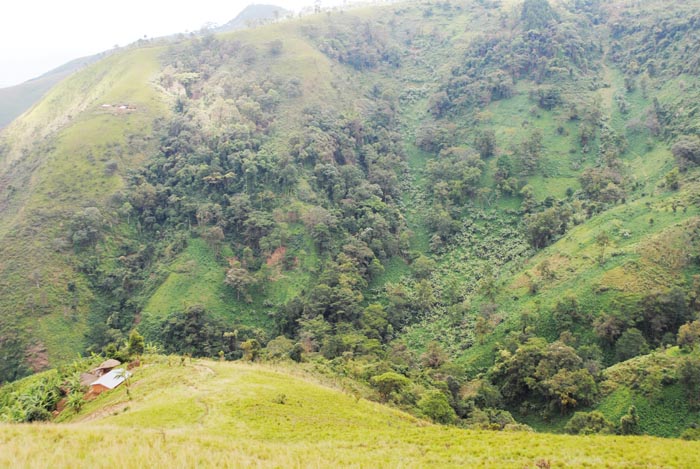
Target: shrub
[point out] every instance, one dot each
(279, 348)
(495, 419)
(111, 167)
(423, 267)
(689, 335)
(689, 374)
(251, 350)
(630, 344)
(629, 423)
(691, 434)
(586, 423)
(543, 227)
(275, 47)
(687, 150)
(389, 383)
(547, 97)
(37, 414)
(435, 406)
(136, 344)
(671, 180)
(76, 400)
(518, 427)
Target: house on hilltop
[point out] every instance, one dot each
(87, 379)
(108, 382)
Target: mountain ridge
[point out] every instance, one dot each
(15, 100)
(252, 14)
(496, 213)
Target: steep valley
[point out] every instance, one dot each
(483, 213)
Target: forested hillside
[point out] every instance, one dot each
(485, 211)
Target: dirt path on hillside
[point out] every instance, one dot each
(103, 412)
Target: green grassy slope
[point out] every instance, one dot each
(14, 100)
(233, 415)
(54, 168)
(17, 99)
(55, 163)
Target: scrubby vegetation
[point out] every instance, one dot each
(485, 213)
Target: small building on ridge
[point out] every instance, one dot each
(108, 381)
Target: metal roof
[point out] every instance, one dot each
(112, 379)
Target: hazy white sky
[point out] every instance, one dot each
(39, 35)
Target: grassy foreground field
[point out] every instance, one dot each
(210, 414)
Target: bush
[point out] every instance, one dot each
(689, 335)
(136, 344)
(275, 47)
(687, 150)
(495, 419)
(76, 401)
(586, 423)
(671, 180)
(547, 97)
(630, 344)
(691, 434)
(423, 267)
(436, 407)
(543, 227)
(689, 377)
(251, 350)
(518, 427)
(629, 423)
(279, 348)
(38, 414)
(389, 383)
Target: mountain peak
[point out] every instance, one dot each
(254, 14)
